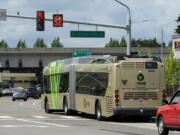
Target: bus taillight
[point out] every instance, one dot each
(117, 97)
(164, 95)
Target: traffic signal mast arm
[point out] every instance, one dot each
(74, 22)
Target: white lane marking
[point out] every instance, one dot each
(151, 126)
(5, 117)
(40, 117)
(20, 126)
(37, 102)
(38, 122)
(7, 126)
(68, 117)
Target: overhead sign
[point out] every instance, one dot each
(88, 34)
(81, 53)
(57, 20)
(3, 14)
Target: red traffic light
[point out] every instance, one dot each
(40, 15)
(20, 61)
(40, 21)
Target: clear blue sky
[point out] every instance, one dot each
(163, 13)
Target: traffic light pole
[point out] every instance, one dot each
(127, 27)
(73, 22)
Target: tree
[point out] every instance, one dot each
(56, 43)
(178, 27)
(21, 44)
(170, 45)
(134, 43)
(171, 70)
(123, 42)
(3, 44)
(112, 43)
(39, 43)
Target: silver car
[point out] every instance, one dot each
(20, 95)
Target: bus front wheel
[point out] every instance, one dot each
(47, 110)
(98, 112)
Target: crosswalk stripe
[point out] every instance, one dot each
(44, 123)
(68, 117)
(19, 126)
(40, 117)
(5, 117)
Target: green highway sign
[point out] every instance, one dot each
(81, 53)
(87, 34)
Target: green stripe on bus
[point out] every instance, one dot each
(55, 82)
(53, 65)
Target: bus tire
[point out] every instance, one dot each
(46, 107)
(98, 112)
(162, 130)
(65, 107)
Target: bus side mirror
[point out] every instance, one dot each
(165, 102)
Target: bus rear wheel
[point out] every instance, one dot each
(98, 112)
(65, 108)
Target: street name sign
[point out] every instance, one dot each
(87, 34)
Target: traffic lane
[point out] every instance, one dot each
(20, 107)
(21, 127)
(32, 114)
(86, 127)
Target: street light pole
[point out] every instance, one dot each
(162, 43)
(162, 37)
(129, 27)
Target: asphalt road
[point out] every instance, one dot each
(27, 118)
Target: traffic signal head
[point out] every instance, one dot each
(7, 64)
(40, 21)
(40, 63)
(20, 63)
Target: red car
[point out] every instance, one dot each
(168, 116)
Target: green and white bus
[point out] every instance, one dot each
(103, 86)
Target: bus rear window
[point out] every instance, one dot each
(151, 65)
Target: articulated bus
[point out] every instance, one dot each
(103, 86)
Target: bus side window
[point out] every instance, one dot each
(82, 83)
(92, 83)
(64, 83)
(99, 83)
